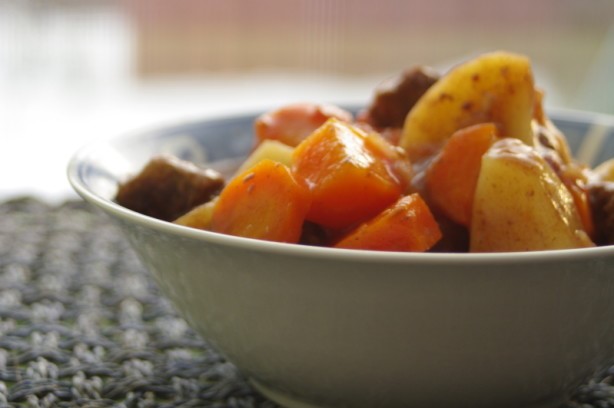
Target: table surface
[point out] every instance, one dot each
(83, 324)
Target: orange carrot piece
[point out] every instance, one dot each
(348, 181)
(452, 176)
(291, 124)
(407, 225)
(264, 202)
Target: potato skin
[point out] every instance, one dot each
(520, 204)
(496, 87)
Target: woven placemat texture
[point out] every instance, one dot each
(82, 324)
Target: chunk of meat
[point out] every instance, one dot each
(315, 235)
(454, 237)
(601, 198)
(394, 98)
(168, 187)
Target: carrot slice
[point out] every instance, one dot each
(407, 225)
(452, 176)
(264, 202)
(393, 157)
(291, 124)
(348, 181)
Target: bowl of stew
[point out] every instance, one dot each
(343, 310)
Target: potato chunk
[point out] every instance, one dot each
(605, 171)
(268, 149)
(496, 87)
(520, 204)
(198, 217)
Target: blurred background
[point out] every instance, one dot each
(72, 71)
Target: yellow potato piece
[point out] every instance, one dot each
(605, 171)
(521, 205)
(268, 149)
(198, 217)
(496, 87)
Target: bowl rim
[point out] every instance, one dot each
(297, 250)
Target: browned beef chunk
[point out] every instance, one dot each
(394, 98)
(601, 197)
(314, 235)
(455, 237)
(168, 187)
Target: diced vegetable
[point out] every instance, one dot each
(496, 87)
(291, 124)
(392, 157)
(349, 184)
(407, 225)
(265, 202)
(198, 217)
(469, 161)
(605, 171)
(268, 149)
(521, 204)
(452, 176)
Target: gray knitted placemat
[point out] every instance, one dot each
(83, 325)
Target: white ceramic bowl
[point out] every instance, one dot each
(320, 327)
